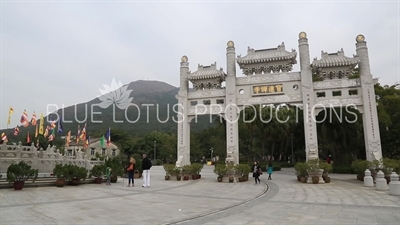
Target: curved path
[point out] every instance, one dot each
(280, 201)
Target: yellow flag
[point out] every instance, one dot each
(41, 127)
(10, 112)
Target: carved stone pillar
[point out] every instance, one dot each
(370, 116)
(310, 127)
(183, 151)
(231, 110)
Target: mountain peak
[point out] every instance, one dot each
(150, 86)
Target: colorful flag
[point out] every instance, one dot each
(83, 133)
(37, 144)
(33, 120)
(108, 136)
(51, 138)
(10, 112)
(36, 131)
(24, 119)
(87, 142)
(78, 134)
(41, 126)
(46, 132)
(60, 126)
(28, 138)
(102, 139)
(16, 131)
(4, 137)
(68, 139)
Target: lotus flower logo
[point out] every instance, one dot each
(116, 94)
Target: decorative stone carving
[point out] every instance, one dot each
(343, 83)
(206, 93)
(265, 78)
(182, 150)
(334, 65)
(308, 86)
(338, 102)
(381, 183)
(368, 180)
(231, 149)
(269, 99)
(312, 151)
(374, 149)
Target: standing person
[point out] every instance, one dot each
(108, 175)
(256, 172)
(131, 169)
(146, 165)
(270, 170)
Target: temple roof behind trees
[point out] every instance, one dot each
(267, 55)
(207, 72)
(334, 60)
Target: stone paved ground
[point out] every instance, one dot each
(204, 201)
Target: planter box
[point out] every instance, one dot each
(317, 173)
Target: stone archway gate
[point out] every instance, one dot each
(269, 80)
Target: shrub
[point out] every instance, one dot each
(169, 169)
(301, 168)
(220, 170)
(98, 171)
(21, 172)
(243, 169)
(60, 171)
(359, 166)
(76, 172)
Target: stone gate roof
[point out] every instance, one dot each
(335, 60)
(207, 72)
(267, 55)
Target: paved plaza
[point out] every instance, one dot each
(283, 200)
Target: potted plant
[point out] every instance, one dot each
(61, 173)
(196, 169)
(169, 170)
(177, 172)
(243, 171)
(388, 166)
(327, 169)
(19, 173)
(220, 170)
(186, 171)
(76, 174)
(231, 179)
(301, 171)
(98, 172)
(359, 166)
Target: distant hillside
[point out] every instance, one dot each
(143, 92)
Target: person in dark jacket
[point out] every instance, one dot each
(131, 169)
(256, 172)
(146, 165)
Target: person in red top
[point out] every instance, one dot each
(131, 170)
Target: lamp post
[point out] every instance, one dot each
(291, 137)
(155, 146)
(212, 151)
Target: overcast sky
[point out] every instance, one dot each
(62, 52)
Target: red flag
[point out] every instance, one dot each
(16, 131)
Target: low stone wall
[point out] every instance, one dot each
(43, 160)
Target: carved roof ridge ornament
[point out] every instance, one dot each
(207, 72)
(267, 55)
(337, 59)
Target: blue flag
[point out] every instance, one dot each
(60, 126)
(108, 136)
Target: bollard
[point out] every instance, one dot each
(368, 180)
(394, 185)
(381, 183)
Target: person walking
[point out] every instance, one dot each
(131, 169)
(256, 172)
(270, 170)
(108, 175)
(146, 165)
